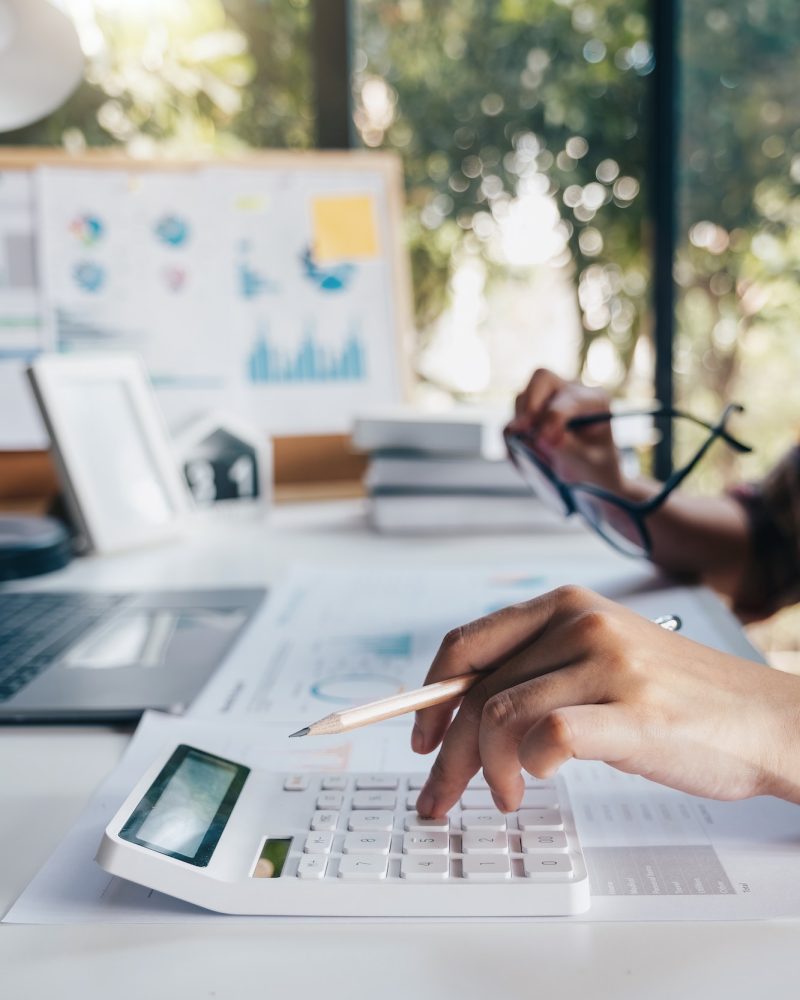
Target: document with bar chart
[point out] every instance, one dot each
(313, 301)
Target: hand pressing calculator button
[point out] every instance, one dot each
(414, 821)
(238, 839)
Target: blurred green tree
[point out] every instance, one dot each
(484, 99)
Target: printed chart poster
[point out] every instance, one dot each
(126, 264)
(265, 291)
(314, 303)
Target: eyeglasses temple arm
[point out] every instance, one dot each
(588, 419)
(679, 475)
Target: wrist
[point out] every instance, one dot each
(780, 772)
(638, 490)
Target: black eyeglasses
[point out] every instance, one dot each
(621, 522)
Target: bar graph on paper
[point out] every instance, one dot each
(310, 361)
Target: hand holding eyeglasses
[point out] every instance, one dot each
(543, 411)
(561, 442)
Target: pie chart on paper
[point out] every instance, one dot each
(355, 689)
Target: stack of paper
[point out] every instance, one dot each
(444, 472)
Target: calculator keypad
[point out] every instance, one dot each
(364, 828)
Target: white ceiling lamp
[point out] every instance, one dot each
(41, 62)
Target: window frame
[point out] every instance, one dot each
(332, 67)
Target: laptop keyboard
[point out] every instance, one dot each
(36, 628)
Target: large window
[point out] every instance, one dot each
(738, 263)
(523, 128)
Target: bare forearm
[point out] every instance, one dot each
(703, 537)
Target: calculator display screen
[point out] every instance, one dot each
(185, 810)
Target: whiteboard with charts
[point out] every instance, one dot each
(275, 286)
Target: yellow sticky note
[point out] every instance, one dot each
(344, 228)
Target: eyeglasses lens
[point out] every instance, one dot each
(532, 471)
(612, 522)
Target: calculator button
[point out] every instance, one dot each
(425, 841)
(416, 781)
(414, 821)
(376, 782)
(549, 841)
(486, 819)
(362, 866)
(420, 867)
(295, 783)
(367, 843)
(411, 801)
(330, 800)
(324, 820)
(374, 800)
(477, 800)
(318, 843)
(530, 800)
(538, 798)
(312, 866)
(540, 819)
(362, 820)
(547, 866)
(480, 866)
(334, 783)
(484, 842)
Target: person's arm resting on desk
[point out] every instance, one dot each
(579, 676)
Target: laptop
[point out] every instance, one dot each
(99, 657)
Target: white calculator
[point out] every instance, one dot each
(237, 839)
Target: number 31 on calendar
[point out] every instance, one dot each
(224, 459)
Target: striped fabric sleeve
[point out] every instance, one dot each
(772, 577)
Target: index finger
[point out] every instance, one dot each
(528, 405)
(479, 646)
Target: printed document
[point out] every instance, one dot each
(330, 638)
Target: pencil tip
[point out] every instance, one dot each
(300, 732)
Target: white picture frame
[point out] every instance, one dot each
(111, 448)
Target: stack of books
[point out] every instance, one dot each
(444, 473)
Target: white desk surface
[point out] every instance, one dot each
(46, 775)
